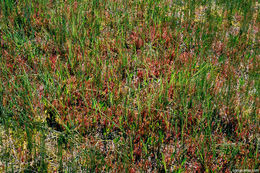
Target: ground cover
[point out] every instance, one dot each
(129, 86)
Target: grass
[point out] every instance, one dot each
(129, 86)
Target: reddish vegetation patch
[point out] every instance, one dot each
(129, 89)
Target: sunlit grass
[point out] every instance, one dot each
(129, 86)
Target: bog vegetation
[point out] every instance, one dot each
(129, 85)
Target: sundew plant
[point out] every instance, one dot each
(129, 86)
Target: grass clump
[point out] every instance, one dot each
(129, 86)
